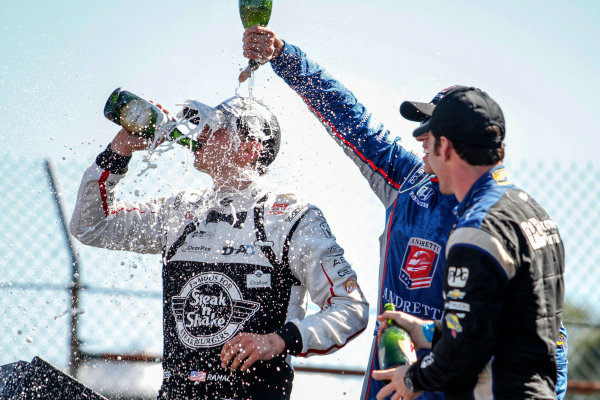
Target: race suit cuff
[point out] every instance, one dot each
(286, 63)
(412, 377)
(112, 161)
(292, 338)
(437, 333)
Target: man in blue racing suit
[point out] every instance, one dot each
(418, 216)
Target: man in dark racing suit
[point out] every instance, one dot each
(503, 287)
(418, 216)
(238, 262)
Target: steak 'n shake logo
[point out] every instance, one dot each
(210, 310)
(419, 263)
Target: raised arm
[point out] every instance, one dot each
(383, 162)
(99, 220)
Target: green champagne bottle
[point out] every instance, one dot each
(142, 117)
(255, 12)
(395, 347)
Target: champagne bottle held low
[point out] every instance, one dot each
(394, 347)
(142, 117)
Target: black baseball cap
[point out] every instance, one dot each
(463, 113)
(421, 112)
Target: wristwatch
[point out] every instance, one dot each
(408, 382)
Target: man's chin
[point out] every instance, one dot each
(427, 169)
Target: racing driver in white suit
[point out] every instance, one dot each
(237, 262)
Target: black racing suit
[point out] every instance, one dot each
(503, 298)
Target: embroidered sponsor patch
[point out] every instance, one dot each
(210, 310)
(258, 280)
(427, 360)
(350, 285)
(456, 294)
(501, 177)
(540, 233)
(419, 263)
(453, 324)
(278, 208)
(458, 306)
(457, 276)
(561, 341)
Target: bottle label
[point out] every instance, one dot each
(137, 116)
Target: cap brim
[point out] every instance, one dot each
(414, 111)
(422, 128)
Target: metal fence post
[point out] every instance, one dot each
(75, 358)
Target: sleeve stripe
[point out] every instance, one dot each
(387, 247)
(103, 196)
(477, 238)
(330, 285)
(335, 346)
(131, 210)
(347, 143)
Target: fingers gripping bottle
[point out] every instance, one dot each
(142, 117)
(255, 12)
(395, 347)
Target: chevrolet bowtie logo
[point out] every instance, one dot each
(237, 221)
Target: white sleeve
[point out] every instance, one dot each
(99, 221)
(318, 262)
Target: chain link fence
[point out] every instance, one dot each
(118, 314)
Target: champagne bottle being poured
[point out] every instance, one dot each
(255, 12)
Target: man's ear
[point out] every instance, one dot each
(445, 148)
(251, 150)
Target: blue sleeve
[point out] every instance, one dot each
(383, 162)
(561, 363)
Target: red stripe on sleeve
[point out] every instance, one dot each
(347, 143)
(102, 187)
(325, 351)
(330, 285)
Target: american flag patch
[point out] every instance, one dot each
(198, 376)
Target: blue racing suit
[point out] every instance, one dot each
(418, 216)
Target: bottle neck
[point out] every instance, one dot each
(177, 135)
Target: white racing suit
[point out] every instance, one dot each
(232, 262)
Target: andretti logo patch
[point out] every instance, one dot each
(419, 263)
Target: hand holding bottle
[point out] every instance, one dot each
(261, 45)
(145, 119)
(126, 142)
(413, 325)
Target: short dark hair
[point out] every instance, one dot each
(478, 155)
